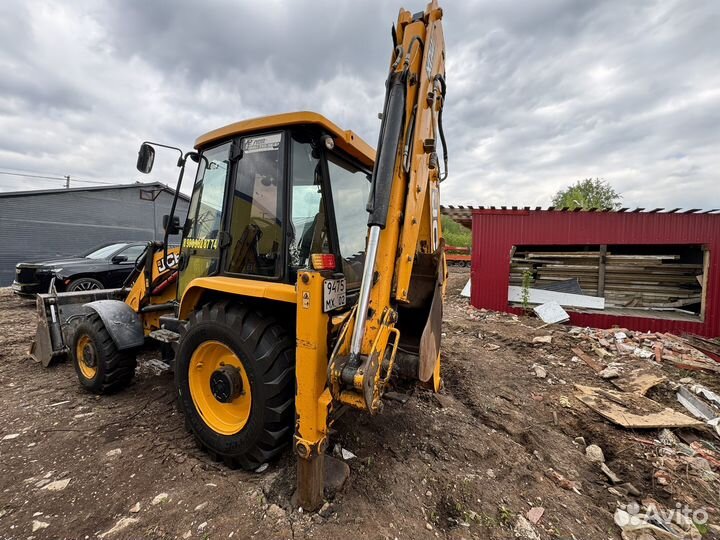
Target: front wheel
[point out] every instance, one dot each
(100, 366)
(235, 380)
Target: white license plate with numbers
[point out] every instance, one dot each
(333, 294)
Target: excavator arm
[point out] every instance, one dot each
(394, 328)
(404, 269)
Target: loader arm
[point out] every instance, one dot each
(405, 269)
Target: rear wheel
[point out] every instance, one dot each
(100, 366)
(84, 284)
(235, 379)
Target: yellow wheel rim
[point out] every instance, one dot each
(210, 358)
(87, 357)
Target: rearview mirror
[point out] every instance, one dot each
(172, 227)
(146, 158)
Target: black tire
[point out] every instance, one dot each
(114, 369)
(266, 351)
(84, 284)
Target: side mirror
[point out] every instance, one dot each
(117, 259)
(172, 227)
(146, 158)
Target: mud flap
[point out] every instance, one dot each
(122, 323)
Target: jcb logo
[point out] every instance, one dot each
(170, 262)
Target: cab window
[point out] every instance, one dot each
(350, 188)
(308, 231)
(256, 208)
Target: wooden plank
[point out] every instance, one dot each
(703, 286)
(601, 270)
(631, 410)
(638, 381)
(643, 257)
(596, 366)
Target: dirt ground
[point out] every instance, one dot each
(466, 463)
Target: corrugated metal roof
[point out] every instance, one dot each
(141, 185)
(463, 214)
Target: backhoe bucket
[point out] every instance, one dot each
(56, 313)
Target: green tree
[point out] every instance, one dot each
(586, 194)
(455, 234)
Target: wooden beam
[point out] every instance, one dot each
(601, 270)
(703, 286)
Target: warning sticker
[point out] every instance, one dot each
(263, 143)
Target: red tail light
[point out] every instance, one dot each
(323, 261)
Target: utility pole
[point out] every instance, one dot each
(67, 181)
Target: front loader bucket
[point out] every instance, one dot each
(56, 314)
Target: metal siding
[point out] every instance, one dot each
(495, 232)
(47, 225)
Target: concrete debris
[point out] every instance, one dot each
(534, 514)
(542, 339)
(614, 478)
(201, 506)
(347, 454)
(135, 508)
(595, 454)
(160, 498)
(57, 485)
(655, 347)
(609, 373)
(540, 372)
(37, 525)
(262, 468)
(114, 452)
(524, 529)
(275, 512)
(11, 436)
(122, 524)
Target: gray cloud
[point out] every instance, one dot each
(540, 94)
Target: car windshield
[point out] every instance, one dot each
(104, 252)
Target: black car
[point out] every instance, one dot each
(103, 267)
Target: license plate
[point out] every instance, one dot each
(333, 294)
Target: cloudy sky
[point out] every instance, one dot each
(540, 93)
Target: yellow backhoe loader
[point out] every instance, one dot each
(310, 274)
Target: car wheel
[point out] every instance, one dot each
(84, 284)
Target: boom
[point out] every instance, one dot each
(404, 270)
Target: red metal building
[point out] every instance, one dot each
(496, 231)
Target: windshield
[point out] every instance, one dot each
(204, 222)
(105, 251)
